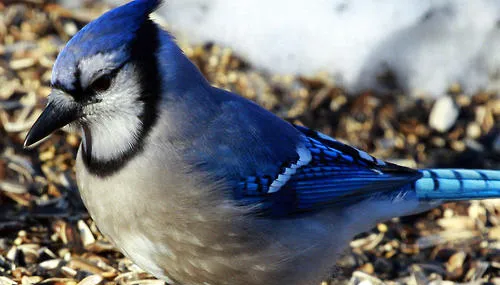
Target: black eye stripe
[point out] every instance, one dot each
(102, 83)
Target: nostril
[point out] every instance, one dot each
(75, 95)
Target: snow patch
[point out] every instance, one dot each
(427, 44)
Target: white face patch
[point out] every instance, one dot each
(95, 66)
(304, 158)
(114, 122)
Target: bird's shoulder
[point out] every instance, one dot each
(242, 139)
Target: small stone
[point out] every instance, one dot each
(91, 280)
(50, 264)
(70, 28)
(382, 228)
(361, 278)
(12, 253)
(367, 268)
(438, 141)
(6, 281)
(455, 263)
(29, 280)
(458, 146)
(480, 113)
(473, 130)
(22, 63)
(444, 114)
(68, 271)
(457, 223)
(463, 100)
(448, 213)
(46, 155)
(476, 211)
(85, 233)
(337, 103)
(455, 88)
(73, 140)
(494, 233)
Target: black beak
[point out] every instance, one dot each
(57, 114)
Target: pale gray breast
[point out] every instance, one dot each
(182, 231)
(171, 221)
(163, 221)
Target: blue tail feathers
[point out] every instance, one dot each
(458, 184)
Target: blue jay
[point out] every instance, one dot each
(198, 185)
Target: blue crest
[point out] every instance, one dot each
(109, 32)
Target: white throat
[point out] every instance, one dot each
(112, 137)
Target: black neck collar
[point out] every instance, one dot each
(143, 51)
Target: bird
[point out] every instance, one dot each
(198, 185)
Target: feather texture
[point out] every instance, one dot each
(458, 184)
(335, 174)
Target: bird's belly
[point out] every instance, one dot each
(203, 241)
(150, 223)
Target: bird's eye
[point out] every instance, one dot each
(102, 83)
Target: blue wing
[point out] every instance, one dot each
(335, 174)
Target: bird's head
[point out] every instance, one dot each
(106, 78)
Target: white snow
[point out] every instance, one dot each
(428, 44)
